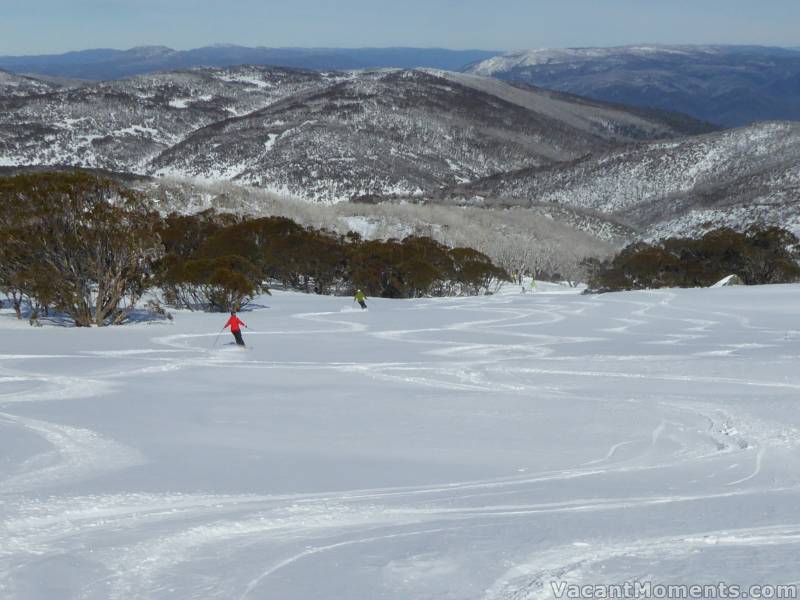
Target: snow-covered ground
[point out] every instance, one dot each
(449, 448)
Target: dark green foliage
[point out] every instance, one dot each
(79, 243)
(278, 250)
(183, 234)
(419, 266)
(198, 272)
(473, 271)
(90, 248)
(283, 251)
(758, 256)
(219, 284)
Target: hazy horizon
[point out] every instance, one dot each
(336, 48)
(55, 27)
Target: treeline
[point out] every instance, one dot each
(89, 248)
(517, 239)
(760, 255)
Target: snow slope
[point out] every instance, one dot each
(449, 448)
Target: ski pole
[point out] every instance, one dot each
(217, 338)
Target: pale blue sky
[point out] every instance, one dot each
(44, 26)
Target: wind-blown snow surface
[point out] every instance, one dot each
(452, 448)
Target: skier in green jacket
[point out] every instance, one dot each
(361, 299)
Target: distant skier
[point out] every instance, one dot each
(533, 287)
(361, 299)
(235, 323)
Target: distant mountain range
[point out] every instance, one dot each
(730, 86)
(320, 136)
(103, 64)
(726, 85)
(421, 135)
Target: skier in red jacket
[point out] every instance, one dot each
(236, 324)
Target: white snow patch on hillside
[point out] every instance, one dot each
(253, 81)
(271, 139)
(725, 281)
(363, 226)
(545, 56)
(184, 102)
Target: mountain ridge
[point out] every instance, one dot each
(328, 136)
(421, 136)
(394, 132)
(727, 85)
(106, 63)
(735, 178)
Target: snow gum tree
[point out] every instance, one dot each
(216, 262)
(761, 255)
(218, 284)
(81, 244)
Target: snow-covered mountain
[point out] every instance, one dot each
(728, 85)
(121, 125)
(328, 136)
(735, 178)
(440, 136)
(402, 132)
(21, 85)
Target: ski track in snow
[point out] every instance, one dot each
(533, 580)
(202, 545)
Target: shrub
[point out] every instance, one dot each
(276, 249)
(419, 266)
(88, 247)
(757, 256)
(80, 243)
(217, 284)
